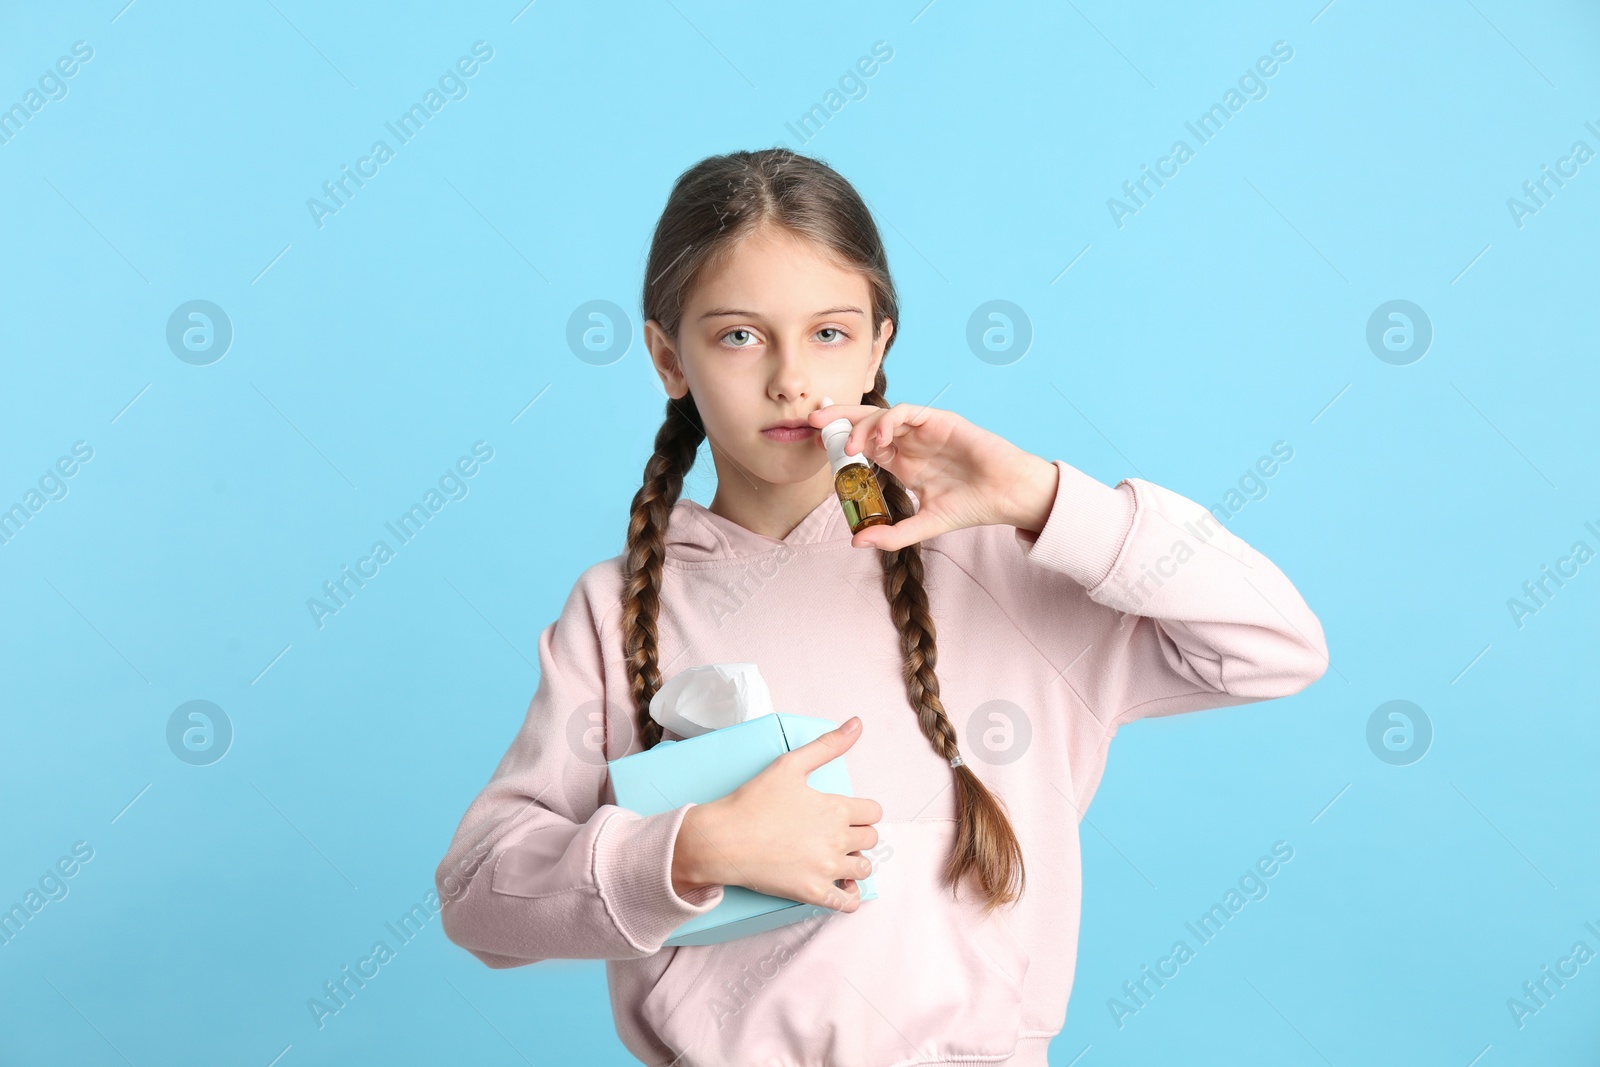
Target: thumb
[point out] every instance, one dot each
(836, 742)
(892, 536)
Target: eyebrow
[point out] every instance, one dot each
(717, 313)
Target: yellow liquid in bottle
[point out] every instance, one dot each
(862, 498)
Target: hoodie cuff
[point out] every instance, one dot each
(633, 870)
(1088, 525)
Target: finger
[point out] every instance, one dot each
(853, 866)
(862, 837)
(899, 419)
(908, 531)
(863, 429)
(813, 754)
(863, 811)
(836, 898)
(873, 432)
(824, 415)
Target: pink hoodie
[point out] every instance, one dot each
(1132, 601)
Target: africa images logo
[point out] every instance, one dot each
(452, 85)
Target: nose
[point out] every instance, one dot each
(791, 377)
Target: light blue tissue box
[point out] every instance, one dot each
(708, 767)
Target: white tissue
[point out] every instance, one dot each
(701, 699)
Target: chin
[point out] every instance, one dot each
(788, 470)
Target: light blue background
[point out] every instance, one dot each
(1228, 314)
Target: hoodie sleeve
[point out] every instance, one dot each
(1193, 616)
(539, 868)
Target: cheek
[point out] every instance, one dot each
(723, 412)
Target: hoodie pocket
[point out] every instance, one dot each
(911, 976)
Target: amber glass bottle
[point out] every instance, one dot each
(853, 479)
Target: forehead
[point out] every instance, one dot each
(777, 272)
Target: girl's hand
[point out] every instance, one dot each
(963, 475)
(777, 835)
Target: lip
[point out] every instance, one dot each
(785, 432)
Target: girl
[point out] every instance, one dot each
(1064, 609)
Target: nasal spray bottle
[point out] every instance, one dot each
(853, 479)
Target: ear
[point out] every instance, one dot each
(878, 347)
(668, 366)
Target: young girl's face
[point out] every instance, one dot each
(763, 339)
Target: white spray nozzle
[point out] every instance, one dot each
(834, 435)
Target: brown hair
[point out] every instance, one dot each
(713, 205)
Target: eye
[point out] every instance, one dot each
(730, 333)
(834, 330)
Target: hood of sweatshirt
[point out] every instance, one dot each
(696, 534)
